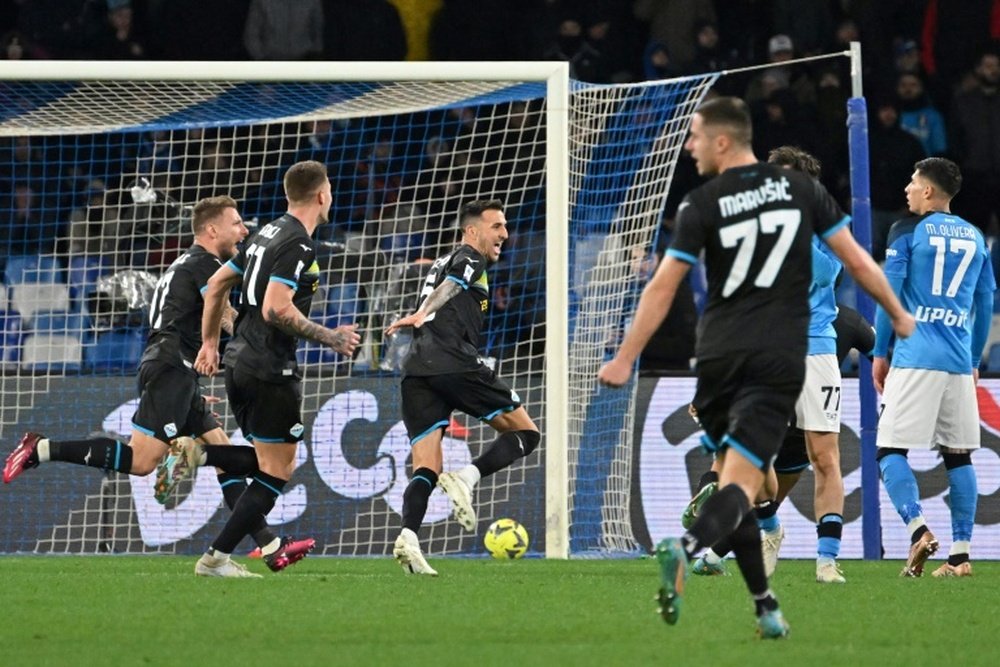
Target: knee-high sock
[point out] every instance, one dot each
(103, 453)
(233, 487)
(901, 485)
(828, 532)
(719, 516)
(507, 448)
(963, 495)
(254, 504)
(415, 497)
(746, 548)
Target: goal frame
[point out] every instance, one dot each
(555, 75)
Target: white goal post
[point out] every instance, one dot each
(597, 157)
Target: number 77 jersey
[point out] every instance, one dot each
(755, 225)
(943, 263)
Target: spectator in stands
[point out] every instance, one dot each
(975, 143)
(892, 153)
(282, 30)
(26, 226)
(120, 37)
(794, 77)
(709, 54)
(86, 222)
(570, 44)
(918, 116)
(672, 22)
(777, 121)
(657, 63)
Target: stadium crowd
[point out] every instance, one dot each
(931, 79)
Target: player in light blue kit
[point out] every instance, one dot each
(939, 265)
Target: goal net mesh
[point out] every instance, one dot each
(99, 181)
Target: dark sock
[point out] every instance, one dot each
(719, 516)
(233, 487)
(958, 559)
(103, 453)
(415, 497)
(251, 508)
(723, 546)
(746, 548)
(234, 459)
(708, 478)
(507, 448)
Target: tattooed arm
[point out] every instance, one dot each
(279, 311)
(229, 319)
(433, 303)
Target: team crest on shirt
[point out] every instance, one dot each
(297, 430)
(170, 429)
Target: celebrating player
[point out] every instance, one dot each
(755, 223)
(443, 372)
(940, 266)
(171, 406)
(279, 274)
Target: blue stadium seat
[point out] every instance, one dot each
(30, 298)
(32, 269)
(115, 352)
(60, 322)
(83, 273)
(10, 338)
(57, 353)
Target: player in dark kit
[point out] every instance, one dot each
(171, 407)
(755, 224)
(278, 273)
(443, 372)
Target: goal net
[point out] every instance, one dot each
(102, 163)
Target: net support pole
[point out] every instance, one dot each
(557, 315)
(861, 211)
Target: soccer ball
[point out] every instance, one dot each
(506, 539)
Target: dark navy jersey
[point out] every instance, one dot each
(175, 312)
(282, 251)
(448, 341)
(755, 225)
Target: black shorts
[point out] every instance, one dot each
(792, 457)
(428, 401)
(170, 403)
(265, 411)
(746, 401)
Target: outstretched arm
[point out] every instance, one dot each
(441, 295)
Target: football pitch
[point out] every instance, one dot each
(133, 610)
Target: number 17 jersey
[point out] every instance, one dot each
(943, 262)
(755, 225)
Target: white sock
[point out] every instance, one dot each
(270, 547)
(825, 560)
(959, 548)
(712, 558)
(42, 449)
(408, 535)
(915, 523)
(218, 555)
(202, 456)
(470, 475)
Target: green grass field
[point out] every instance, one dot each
(129, 610)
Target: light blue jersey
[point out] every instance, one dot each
(941, 266)
(823, 299)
